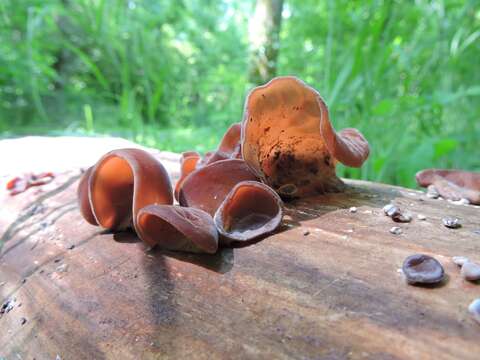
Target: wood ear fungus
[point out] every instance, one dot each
(178, 228)
(130, 187)
(249, 211)
(20, 184)
(188, 164)
(229, 148)
(289, 143)
(207, 187)
(124, 181)
(452, 184)
(285, 140)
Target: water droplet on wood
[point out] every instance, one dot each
(432, 192)
(471, 271)
(396, 214)
(474, 309)
(402, 218)
(459, 260)
(62, 268)
(395, 230)
(451, 223)
(390, 209)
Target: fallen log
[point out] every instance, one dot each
(327, 285)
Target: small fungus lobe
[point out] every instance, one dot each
(250, 210)
(178, 228)
(188, 164)
(422, 269)
(452, 184)
(207, 187)
(19, 184)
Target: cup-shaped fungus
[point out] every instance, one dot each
(249, 211)
(20, 184)
(229, 148)
(178, 228)
(188, 164)
(124, 181)
(84, 199)
(207, 187)
(452, 184)
(289, 142)
(130, 187)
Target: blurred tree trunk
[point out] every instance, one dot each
(61, 58)
(264, 32)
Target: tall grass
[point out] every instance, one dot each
(405, 73)
(174, 74)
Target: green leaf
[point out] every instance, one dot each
(444, 147)
(384, 107)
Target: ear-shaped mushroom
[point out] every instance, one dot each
(20, 184)
(207, 187)
(230, 147)
(83, 198)
(130, 186)
(250, 210)
(230, 143)
(178, 228)
(452, 184)
(289, 142)
(124, 181)
(188, 164)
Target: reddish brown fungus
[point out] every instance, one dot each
(124, 181)
(83, 198)
(188, 164)
(130, 187)
(289, 142)
(207, 187)
(250, 210)
(452, 184)
(229, 148)
(422, 269)
(178, 228)
(20, 184)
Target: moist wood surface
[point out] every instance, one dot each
(332, 294)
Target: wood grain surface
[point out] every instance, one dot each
(326, 286)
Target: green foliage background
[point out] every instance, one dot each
(173, 74)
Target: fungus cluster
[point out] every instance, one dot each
(452, 184)
(285, 146)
